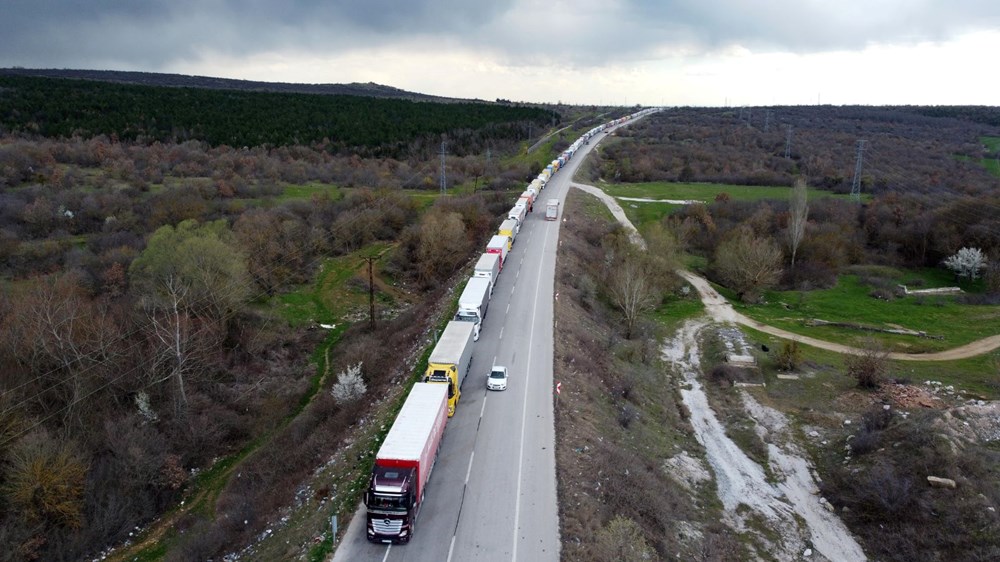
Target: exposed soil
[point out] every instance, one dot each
(790, 507)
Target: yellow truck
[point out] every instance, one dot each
(450, 360)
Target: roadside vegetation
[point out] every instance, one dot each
(175, 314)
(619, 416)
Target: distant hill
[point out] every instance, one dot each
(181, 80)
(146, 107)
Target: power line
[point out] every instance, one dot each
(856, 182)
(444, 180)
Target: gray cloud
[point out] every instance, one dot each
(151, 34)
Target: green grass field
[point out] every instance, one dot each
(640, 212)
(306, 191)
(950, 323)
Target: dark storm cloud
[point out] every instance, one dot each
(150, 34)
(68, 33)
(804, 26)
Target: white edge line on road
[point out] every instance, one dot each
(524, 405)
(469, 471)
(450, 548)
(387, 549)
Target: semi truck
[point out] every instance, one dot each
(528, 199)
(509, 228)
(488, 266)
(499, 245)
(473, 303)
(518, 212)
(403, 464)
(552, 210)
(450, 360)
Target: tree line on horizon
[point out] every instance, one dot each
(64, 108)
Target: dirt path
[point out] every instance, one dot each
(721, 311)
(789, 508)
(616, 210)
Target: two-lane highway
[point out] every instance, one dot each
(492, 494)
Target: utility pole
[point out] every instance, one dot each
(856, 183)
(749, 116)
(767, 119)
(371, 291)
(788, 142)
(444, 180)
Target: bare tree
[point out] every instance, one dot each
(67, 341)
(180, 340)
(631, 291)
(798, 214)
(443, 238)
(191, 280)
(747, 263)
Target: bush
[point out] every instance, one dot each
(870, 367)
(789, 357)
(725, 374)
(622, 540)
(627, 414)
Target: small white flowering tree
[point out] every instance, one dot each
(350, 386)
(967, 262)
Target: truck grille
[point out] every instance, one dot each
(390, 527)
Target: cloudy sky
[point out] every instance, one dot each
(653, 52)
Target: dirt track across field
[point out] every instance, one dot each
(720, 310)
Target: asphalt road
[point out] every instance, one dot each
(492, 495)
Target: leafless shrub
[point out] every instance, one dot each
(627, 414)
(864, 441)
(725, 374)
(870, 366)
(720, 544)
(876, 419)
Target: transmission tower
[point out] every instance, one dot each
(788, 142)
(371, 291)
(767, 119)
(444, 181)
(856, 183)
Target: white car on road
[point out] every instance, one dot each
(497, 379)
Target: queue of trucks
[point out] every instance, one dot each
(403, 463)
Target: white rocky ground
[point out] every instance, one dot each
(790, 506)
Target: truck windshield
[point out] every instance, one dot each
(388, 502)
(467, 317)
